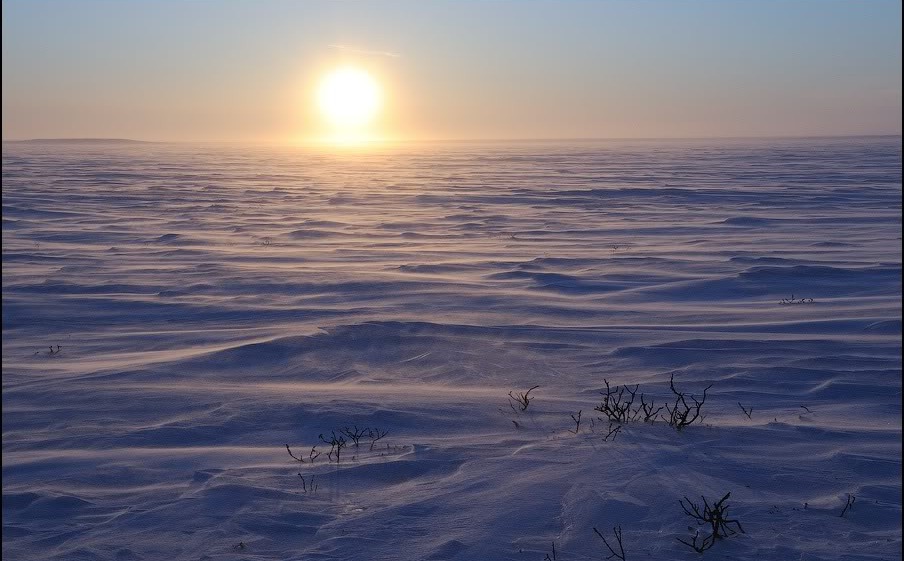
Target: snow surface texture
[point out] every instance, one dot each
(173, 315)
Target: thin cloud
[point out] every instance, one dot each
(357, 51)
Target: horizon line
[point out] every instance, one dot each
(435, 140)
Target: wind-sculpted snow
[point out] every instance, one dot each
(174, 315)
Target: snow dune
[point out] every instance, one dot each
(174, 315)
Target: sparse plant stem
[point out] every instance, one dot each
(620, 554)
(747, 412)
(308, 485)
(521, 400)
(374, 435)
(355, 434)
(337, 443)
(704, 544)
(649, 410)
(577, 422)
(850, 502)
(294, 457)
(612, 431)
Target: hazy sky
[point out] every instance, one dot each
(205, 70)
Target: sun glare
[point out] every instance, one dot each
(349, 99)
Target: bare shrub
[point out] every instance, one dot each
(337, 443)
(648, 411)
(521, 400)
(374, 435)
(681, 413)
(354, 433)
(715, 516)
(616, 405)
(312, 455)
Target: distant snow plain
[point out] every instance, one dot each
(175, 314)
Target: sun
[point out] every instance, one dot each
(349, 99)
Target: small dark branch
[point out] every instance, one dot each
(521, 400)
(620, 554)
(747, 412)
(613, 432)
(704, 544)
(355, 434)
(308, 484)
(553, 558)
(337, 443)
(805, 408)
(691, 509)
(719, 510)
(850, 502)
(374, 435)
(294, 457)
(577, 422)
(649, 410)
(631, 415)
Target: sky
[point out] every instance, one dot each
(249, 70)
